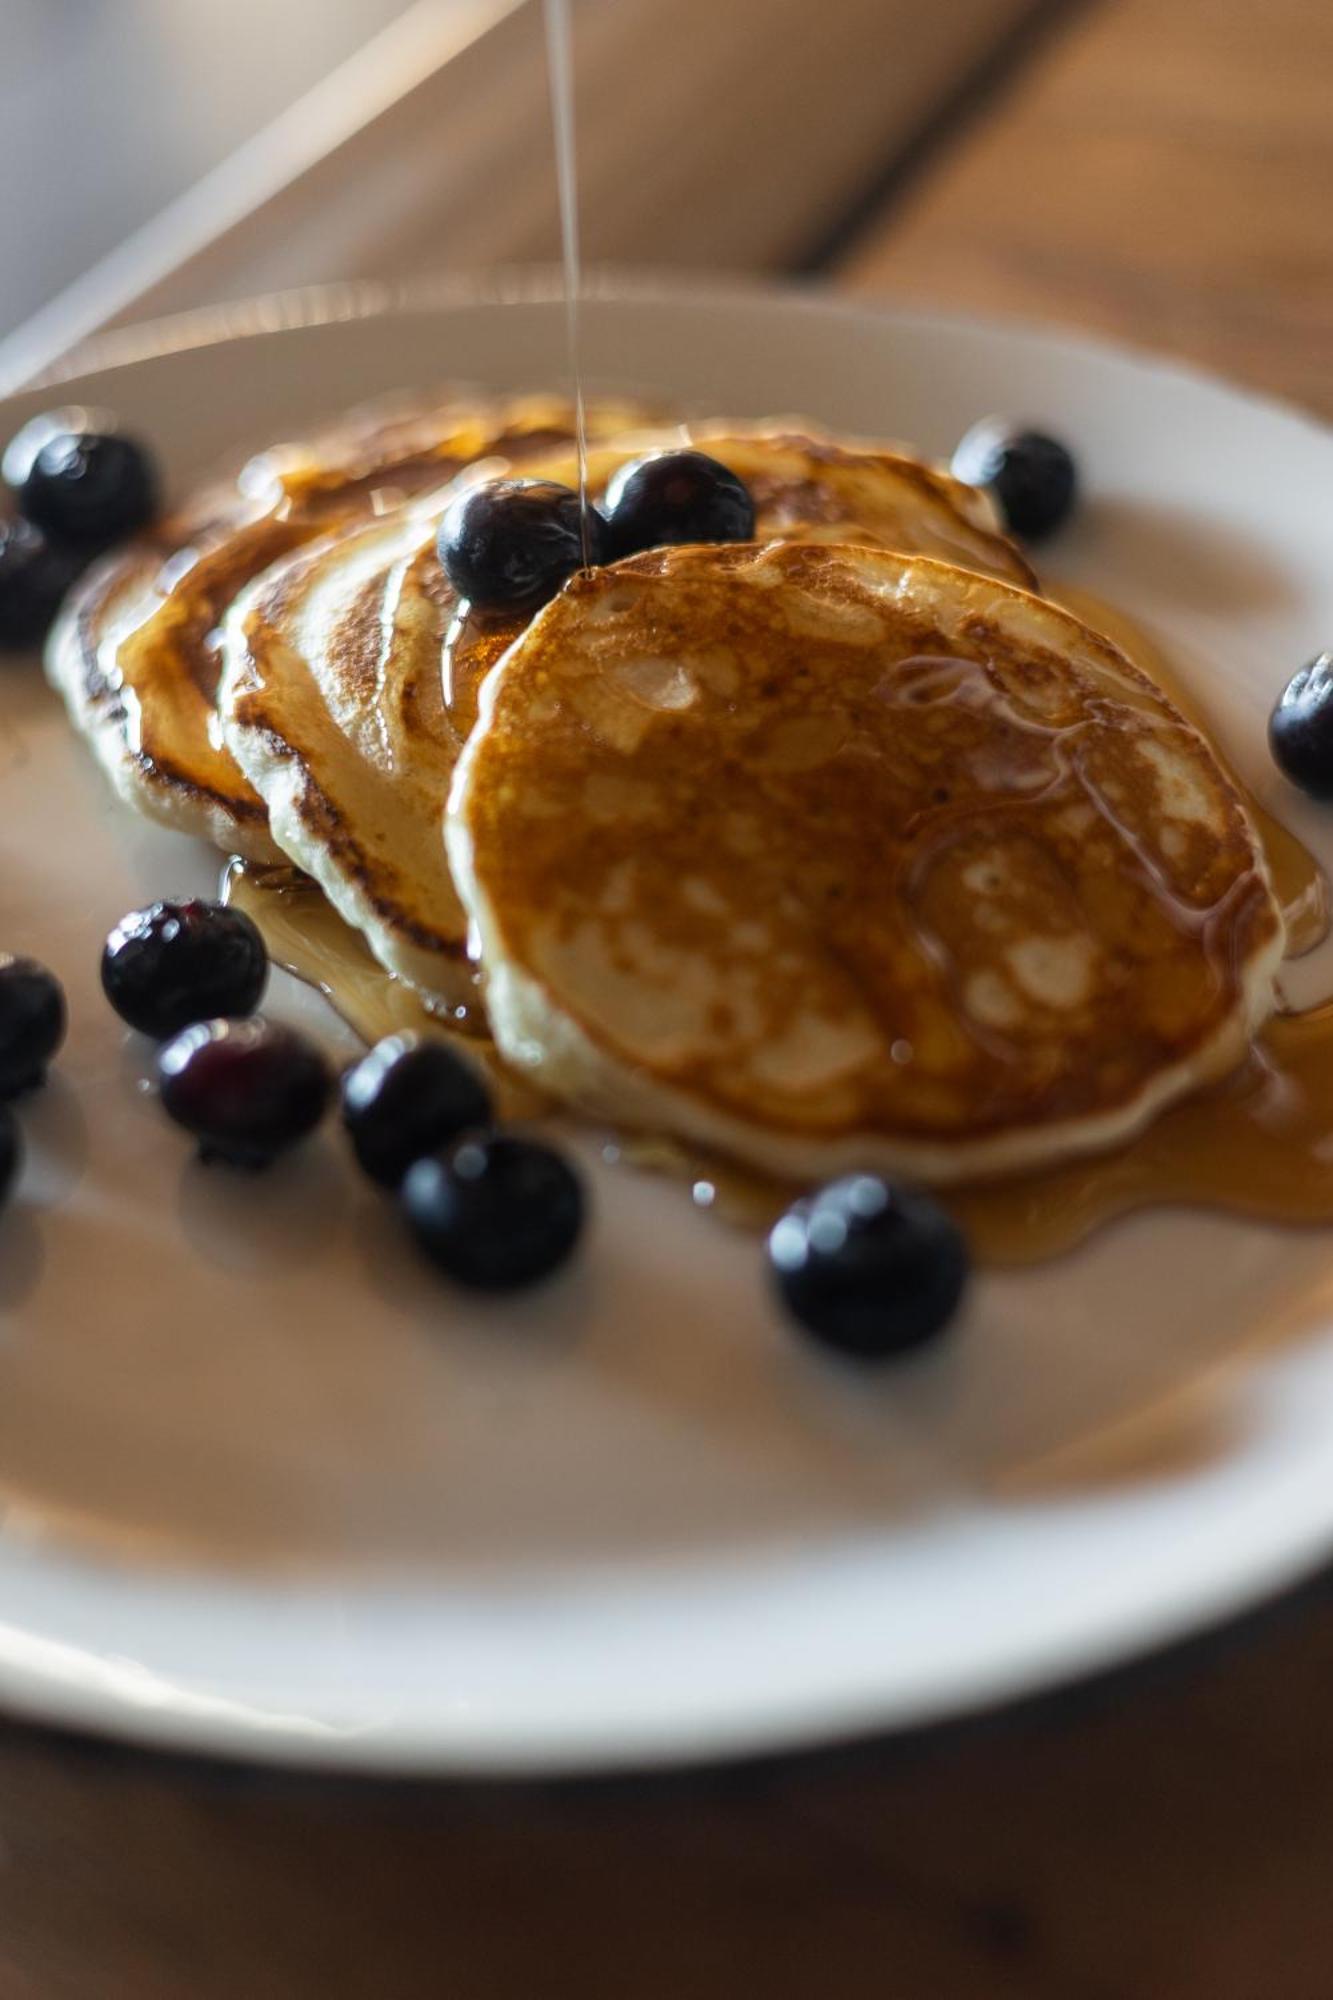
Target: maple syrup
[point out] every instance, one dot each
(306, 937)
(1260, 1143)
(560, 72)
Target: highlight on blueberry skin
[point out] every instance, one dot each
(870, 1269)
(675, 496)
(1300, 729)
(173, 963)
(1032, 478)
(33, 1019)
(494, 1211)
(246, 1090)
(511, 544)
(409, 1096)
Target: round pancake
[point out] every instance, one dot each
(135, 653)
(828, 858)
(336, 708)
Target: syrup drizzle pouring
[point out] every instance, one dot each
(560, 71)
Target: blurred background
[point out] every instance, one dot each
(211, 146)
(1160, 168)
(1157, 168)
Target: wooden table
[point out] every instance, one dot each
(1162, 169)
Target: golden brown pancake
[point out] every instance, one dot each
(830, 858)
(135, 652)
(352, 671)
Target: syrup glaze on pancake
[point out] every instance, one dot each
(353, 670)
(810, 487)
(135, 652)
(826, 857)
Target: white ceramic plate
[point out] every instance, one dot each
(271, 1490)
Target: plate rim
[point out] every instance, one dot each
(121, 1698)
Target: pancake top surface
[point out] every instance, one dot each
(354, 671)
(803, 843)
(807, 486)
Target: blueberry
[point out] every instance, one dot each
(32, 1022)
(409, 1097)
(1031, 476)
(510, 544)
(246, 1089)
(494, 1212)
(870, 1269)
(1300, 729)
(174, 963)
(33, 579)
(85, 489)
(675, 496)
(11, 1152)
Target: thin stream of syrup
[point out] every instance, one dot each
(560, 70)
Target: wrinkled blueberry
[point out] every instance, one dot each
(247, 1090)
(174, 963)
(510, 544)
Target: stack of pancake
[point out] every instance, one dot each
(840, 847)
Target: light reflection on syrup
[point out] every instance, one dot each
(1298, 881)
(306, 936)
(1258, 1144)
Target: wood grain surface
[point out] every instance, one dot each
(1162, 169)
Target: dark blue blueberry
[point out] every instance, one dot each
(870, 1269)
(174, 963)
(510, 544)
(32, 1023)
(1300, 729)
(1031, 476)
(247, 1090)
(11, 1152)
(494, 1212)
(33, 579)
(408, 1097)
(85, 489)
(675, 496)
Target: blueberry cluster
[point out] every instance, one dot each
(510, 544)
(77, 486)
(869, 1269)
(491, 1209)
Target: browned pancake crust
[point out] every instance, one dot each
(933, 816)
